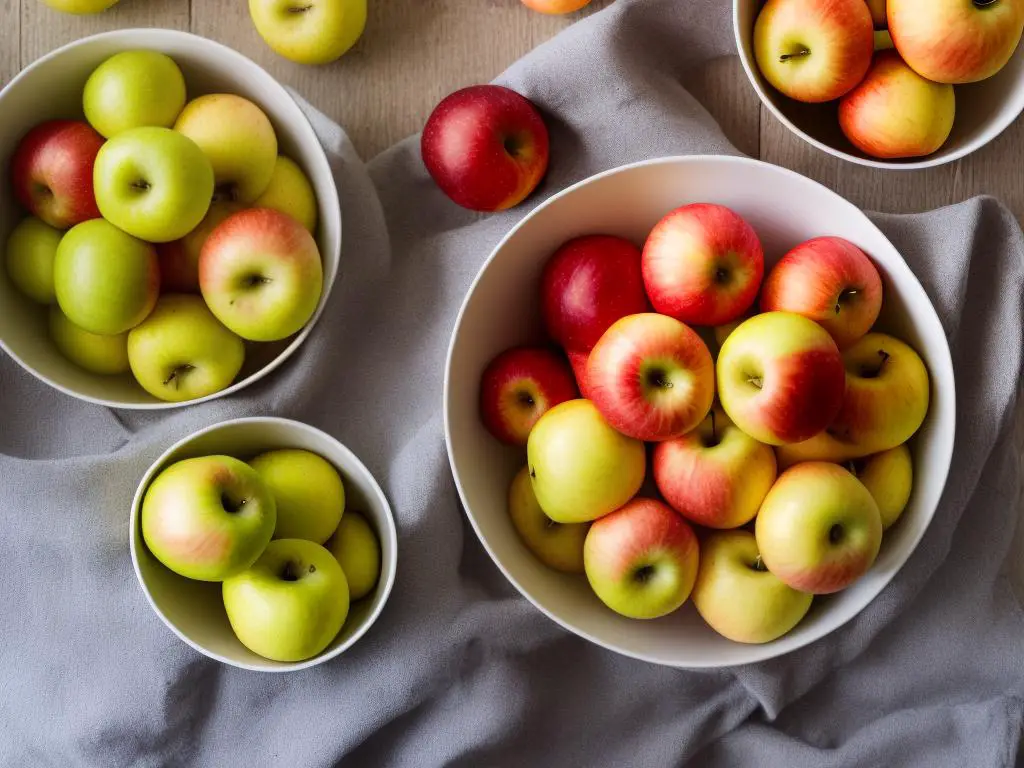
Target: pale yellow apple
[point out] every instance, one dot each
(824, 446)
(290, 192)
(80, 6)
(310, 32)
(308, 490)
(105, 355)
(889, 476)
(357, 550)
(557, 545)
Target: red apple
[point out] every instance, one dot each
(578, 361)
(518, 387)
(555, 7)
(703, 264)
(587, 285)
(52, 172)
(486, 147)
(651, 377)
(829, 280)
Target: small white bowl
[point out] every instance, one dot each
(52, 88)
(501, 310)
(194, 610)
(983, 110)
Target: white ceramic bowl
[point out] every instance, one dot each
(194, 610)
(52, 88)
(983, 110)
(502, 309)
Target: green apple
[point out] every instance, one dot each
(106, 280)
(31, 250)
(182, 352)
(207, 518)
(309, 493)
(179, 259)
(819, 528)
(238, 139)
(889, 477)
(291, 603)
(133, 89)
(355, 547)
(738, 597)
(642, 559)
(153, 183)
(557, 545)
(581, 468)
(311, 32)
(290, 192)
(106, 355)
(80, 6)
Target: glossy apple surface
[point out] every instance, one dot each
(824, 446)
(889, 477)
(310, 32)
(738, 597)
(308, 492)
(179, 259)
(651, 377)
(29, 256)
(518, 387)
(80, 7)
(291, 603)
(486, 147)
(703, 264)
(133, 89)
(829, 280)
(96, 353)
(819, 528)
(580, 466)
(578, 361)
(642, 559)
(557, 545)
(291, 192)
(52, 172)
(357, 550)
(556, 7)
(207, 518)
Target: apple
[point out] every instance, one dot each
(557, 545)
(819, 528)
(829, 280)
(715, 476)
(153, 183)
(80, 7)
(291, 192)
(106, 281)
(824, 446)
(182, 352)
(895, 112)
(889, 477)
(956, 41)
(887, 394)
(357, 550)
(578, 362)
(814, 50)
(581, 468)
(96, 353)
(556, 7)
(877, 9)
(651, 377)
(518, 387)
(291, 603)
(52, 172)
(642, 559)
(738, 597)
(722, 331)
(238, 139)
(310, 32)
(207, 518)
(703, 264)
(260, 273)
(588, 284)
(133, 89)
(308, 491)
(31, 251)
(780, 378)
(486, 147)
(179, 259)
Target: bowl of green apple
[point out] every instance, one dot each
(169, 223)
(263, 543)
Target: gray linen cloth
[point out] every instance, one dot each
(460, 670)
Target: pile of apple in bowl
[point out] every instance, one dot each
(715, 430)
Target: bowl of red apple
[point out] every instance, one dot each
(169, 222)
(699, 410)
(886, 83)
(263, 543)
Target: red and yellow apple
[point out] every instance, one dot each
(557, 545)
(824, 446)
(889, 477)
(578, 362)
(556, 7)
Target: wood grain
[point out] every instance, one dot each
(10, 39)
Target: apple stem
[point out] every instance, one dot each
(844, 297)
(802, 52)
(289, 572)
(299, 8)
(869, 372)
(759, 565)
(177, 373)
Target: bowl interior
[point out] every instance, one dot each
(194, 609)
(502, 310)
(52, 88)
(983, 110)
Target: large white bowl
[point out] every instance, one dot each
(194, 610)
(502, 310)
(983, 110)
(52, 88)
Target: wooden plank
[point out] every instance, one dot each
(724, 90)
(10, 39)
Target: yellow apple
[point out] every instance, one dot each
(311, 32)
(557, 545)
(80, 7)
(308, 490)
(96, 353)
(357, 550)
(889, 476)
(290, 192)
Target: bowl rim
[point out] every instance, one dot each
(991, 131)
(145, 37)
(756, 653)
(387, 537)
